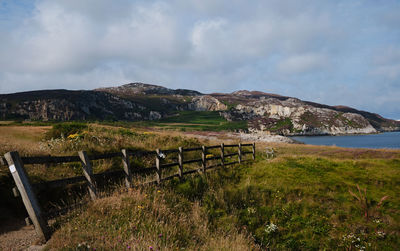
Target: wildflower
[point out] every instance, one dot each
(160, 235)
(271, 228)
(73, 136)
(381, 234)
(209, 156)
(150, 247)
(158, 191)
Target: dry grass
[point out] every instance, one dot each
(144, 220)
(24, 139)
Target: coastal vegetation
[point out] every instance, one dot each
(305, 198)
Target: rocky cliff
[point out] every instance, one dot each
(265, 112)
(64, 105)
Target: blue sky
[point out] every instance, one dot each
(333, 52)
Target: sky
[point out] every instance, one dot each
(332, 52)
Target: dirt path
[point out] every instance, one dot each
(15, 235)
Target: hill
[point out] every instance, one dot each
(261, 111)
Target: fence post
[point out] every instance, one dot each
(203, 159)
(127, 168)
(222, 154)
(240, 153)
(180, 160)
(28, 196)
(254, 150)
(158, 166)
(88, 172)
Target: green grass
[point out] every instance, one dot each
(195, 121)
(297, 201)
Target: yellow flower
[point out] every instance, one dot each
(209, 155)
(147, 133)
(158, 191)
(73, 136)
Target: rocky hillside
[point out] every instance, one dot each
(290, 116)
(64, 105)
(265, 112)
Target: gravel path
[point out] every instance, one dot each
(15, 235)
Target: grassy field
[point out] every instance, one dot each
(195, 121)
(306, 198)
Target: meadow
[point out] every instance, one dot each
(305, 198)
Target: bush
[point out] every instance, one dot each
(64, 129)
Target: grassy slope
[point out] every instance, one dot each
(304, 191)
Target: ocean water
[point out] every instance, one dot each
(382, 140)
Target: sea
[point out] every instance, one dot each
(375, 141)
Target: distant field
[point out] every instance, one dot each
(195, 121)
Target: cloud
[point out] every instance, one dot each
(303, 63)
(275, 46)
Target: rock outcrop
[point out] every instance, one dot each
(295, 117)
(206, 103)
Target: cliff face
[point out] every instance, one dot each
(291, 116)
(66, 105)
(294, 117)
(265, 112)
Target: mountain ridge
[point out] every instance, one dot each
(264, 112)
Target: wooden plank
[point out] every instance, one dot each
(192, 161)
(49, 159)
(88, 173)
(29, 199)
(180, 160)
(158, 174)
(254, 150)
(105, 156)
(239, 153)
(127, 168)
(192, 149)
(203, 159)
(231, 145)
(249, 144)
(213, 147)
(222, 154)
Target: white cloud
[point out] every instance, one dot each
(207, 45)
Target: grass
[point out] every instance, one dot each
(295, 201)
(196, 121)
(303, 199)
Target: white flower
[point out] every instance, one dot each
(271, 228)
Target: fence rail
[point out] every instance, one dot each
(28, 191)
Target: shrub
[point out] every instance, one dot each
(65, 129)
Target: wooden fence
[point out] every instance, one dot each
(26, 190)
